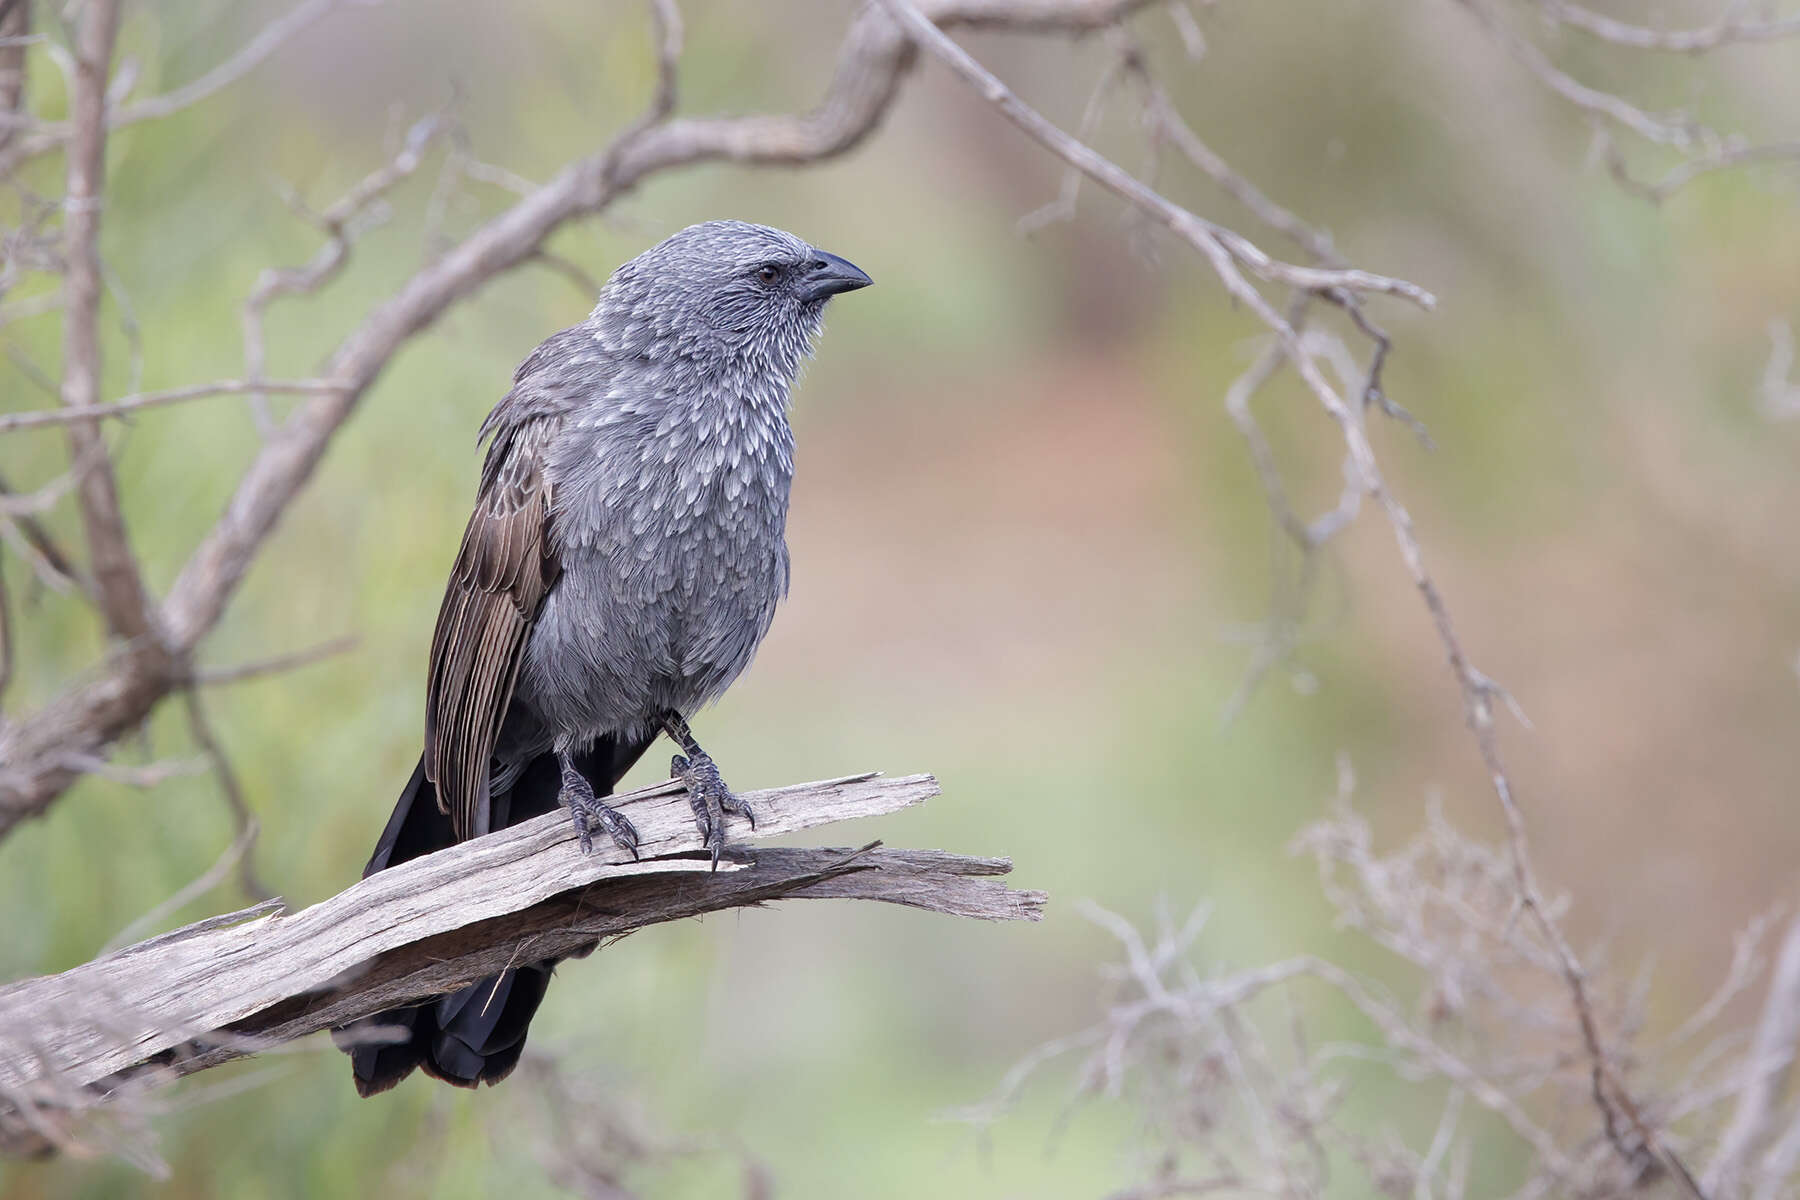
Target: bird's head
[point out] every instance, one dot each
(723, 290)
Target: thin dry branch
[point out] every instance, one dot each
(1184, 224)
(243, 822)
(1779, 396)
(1726, 155)
(1166, 119)
(42, 500)
(191, 891)
(1661, 129)
(46, 136)
(6, 638)
(1731, 28)
(179, 1003)
(341, 223)
(253, 54)
(19, 524)
(1063, 207)
(239, 672)
(589, 1139)
(119, 588)
(1702, 150)
(1280, 633)
(15, 38)
(1767, 1067)
(126, 405)
(141, 775)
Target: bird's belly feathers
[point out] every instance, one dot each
(658, 609)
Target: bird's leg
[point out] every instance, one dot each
(588, 810)
(707, 793)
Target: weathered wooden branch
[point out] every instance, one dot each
(141, 1017)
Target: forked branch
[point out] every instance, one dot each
(107, 1033)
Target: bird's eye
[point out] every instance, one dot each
(768, 273)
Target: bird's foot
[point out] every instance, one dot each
(710, 799)
(589, 812)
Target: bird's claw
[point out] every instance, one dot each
(710, 800)
(589, 812)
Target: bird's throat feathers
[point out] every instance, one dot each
(676, 444)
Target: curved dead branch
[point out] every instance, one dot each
(101, 1037)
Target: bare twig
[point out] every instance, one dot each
(1781, 1163)
(1063, 207)
(119, 588)
(1779, 398)
(1746, 966)
(253, 54)
(1164, 1189)
(1731, 27)
(1665, 129)
(570, 270)
(47, 136)
(589, 1139)
(1280, 632)
(128, 325)
(1732, 153)
(6, 638)
(500, 177)
(35, 374)
(28, 540)
(205, 882)
(143, 775)
(15, 37)
(1170, 124)
(1766, 1068)
(666, 19)
(244, 824)
(23, 511)
(220, 676)
(1114, 178)
(1702, 150)
(126, 405)
(339, 223)
(33, 306)
(35, 502)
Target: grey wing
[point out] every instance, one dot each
(506, 565)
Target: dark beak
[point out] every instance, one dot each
(827, 275)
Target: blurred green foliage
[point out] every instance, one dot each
(1024, 534)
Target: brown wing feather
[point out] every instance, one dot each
(502, 572)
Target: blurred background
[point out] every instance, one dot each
(1028, 548)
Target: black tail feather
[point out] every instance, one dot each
(474, 1035)
(481, 1029)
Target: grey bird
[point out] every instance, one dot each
(624, 561)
